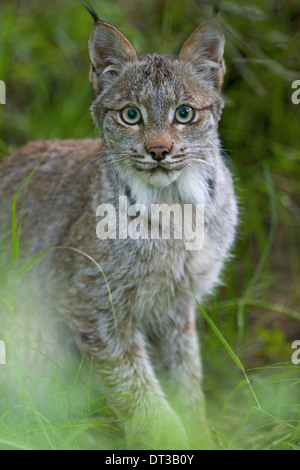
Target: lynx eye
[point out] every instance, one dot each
(131, 115)
(184, 115)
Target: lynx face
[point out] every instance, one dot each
(158, 114)
(158, 127)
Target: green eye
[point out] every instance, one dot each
(184, 115)
(131, 115)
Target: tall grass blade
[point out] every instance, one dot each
(16, 227)
(6, 302)
(229, 350)
(38, 256)
(274, 218)
(221, 337)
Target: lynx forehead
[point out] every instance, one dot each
(166, 80)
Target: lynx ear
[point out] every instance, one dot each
(109, 51)
(204, 49)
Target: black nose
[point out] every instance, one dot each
(159, 153)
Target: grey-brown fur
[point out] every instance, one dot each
(152, 353)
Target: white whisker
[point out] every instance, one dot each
(200, 160)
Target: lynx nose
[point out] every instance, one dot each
(159, 153)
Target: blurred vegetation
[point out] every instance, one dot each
(44, 63)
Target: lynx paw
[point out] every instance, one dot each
(158, 429)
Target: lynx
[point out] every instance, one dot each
(158, 116)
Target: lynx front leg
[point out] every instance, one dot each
(122, 365)
(179, 367)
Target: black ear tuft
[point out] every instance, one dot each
(91, 11)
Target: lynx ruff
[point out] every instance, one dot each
(158, 116)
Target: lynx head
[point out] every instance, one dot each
(157, 114)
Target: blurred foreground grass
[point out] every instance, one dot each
(44, 63)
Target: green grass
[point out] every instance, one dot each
(41, 412)
(248, 326)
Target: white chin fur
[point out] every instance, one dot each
(152, 188)
(159, 179)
